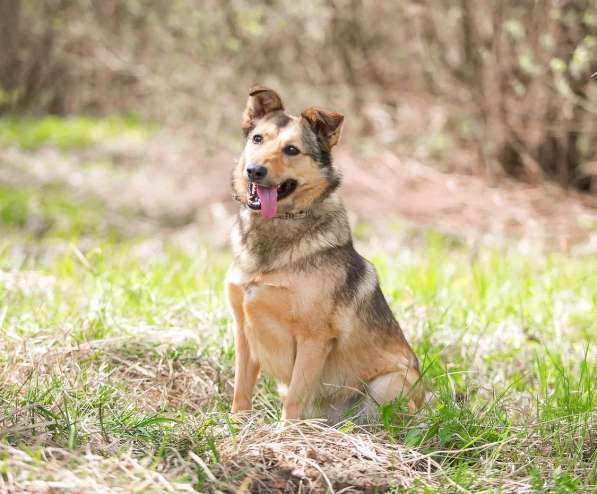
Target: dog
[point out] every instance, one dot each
(307, 308)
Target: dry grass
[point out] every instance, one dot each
(53, 470)
(116, 350)
(307, 457)
(312, 457)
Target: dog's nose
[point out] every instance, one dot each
(256, 172)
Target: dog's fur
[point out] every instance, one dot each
(307, 307)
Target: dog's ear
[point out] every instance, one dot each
(262, 101)
(327, 124)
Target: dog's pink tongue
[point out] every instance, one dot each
(268, 196)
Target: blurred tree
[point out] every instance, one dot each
(10, 15)
(523, 68)
(518, 73)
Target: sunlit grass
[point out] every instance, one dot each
(68, 133)
(45, 211)
(504, 339)
(121, 344)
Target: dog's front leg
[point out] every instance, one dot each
(245, 375)
(245, 368)
(311, 355)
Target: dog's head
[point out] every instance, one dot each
(286, 162)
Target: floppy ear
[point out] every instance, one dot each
(262, 101)
(328, 124)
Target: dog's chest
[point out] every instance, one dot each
(271, 327)
(280, 308)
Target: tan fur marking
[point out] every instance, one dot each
(327, 123)
(268, 323)
(284, 310)
(246, 367)
(261, 101)
(309, 363)
(281, 167)
(387, 387)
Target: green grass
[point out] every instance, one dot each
(117, 356)
(67, 134)
(505, 339)
(45, 211)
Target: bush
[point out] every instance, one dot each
(514, 77)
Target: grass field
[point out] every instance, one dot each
(116, 356)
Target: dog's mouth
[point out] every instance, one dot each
(265, 199)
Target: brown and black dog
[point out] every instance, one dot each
(307, 307)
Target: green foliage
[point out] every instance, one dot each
(46, 211)
(67, 133)
(504, 339)
(520, 72)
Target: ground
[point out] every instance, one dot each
(117, 350)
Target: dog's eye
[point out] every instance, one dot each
(291, 150)
(257, 138)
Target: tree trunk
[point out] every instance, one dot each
(10, 14)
